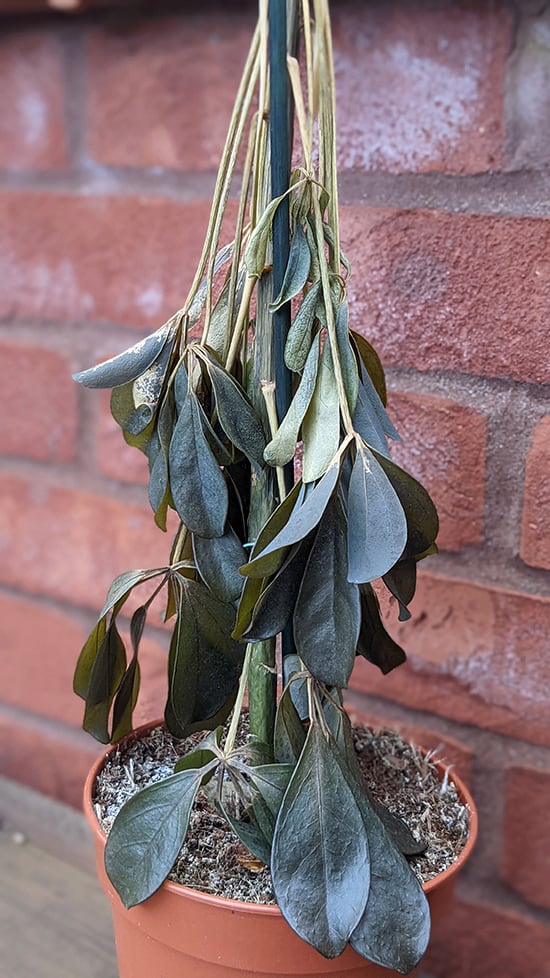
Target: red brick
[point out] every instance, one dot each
(526, 845)
(474, 940)
(39, 650)
(443, 445)
(161, 93)
(535, 537)
(441, 291)
(420, 88)
(39, 399)
(48, 757)
(127, 260)
(70, 544)
(476, 654)
(116, 459)
(31, 102)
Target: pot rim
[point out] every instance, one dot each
(265, 908)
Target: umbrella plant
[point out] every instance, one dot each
(261, 408)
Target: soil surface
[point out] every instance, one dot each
(212, 859)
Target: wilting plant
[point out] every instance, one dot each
(260, 553)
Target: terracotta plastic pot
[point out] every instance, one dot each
(183, 933)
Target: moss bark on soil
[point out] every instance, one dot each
(212, 859)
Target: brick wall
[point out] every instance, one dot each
(110, 128)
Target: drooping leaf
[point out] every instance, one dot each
(271, 529)
(249, 596)
(304, 517)
(378, 410)
(135, 429)
(297, 269)
(125, 701)
(197, 484)
(327, 612)
(125, 367)
(372, 362)
(320, 860)
(147, 835)
(236, 415)
(271, 781)
(395, 927)
(106, 676)
(298, 342)
(251, 836)
(223, 454)
(87, 657)
(397, 829)
(347, 356)
(420, 512)
(289, 734)
(321, 424)
(124, 583)
(375, 644)
(204, 661)
(157, 453)
(202, 755)
(298, 687)
(219, 328)
(282, 446)
(275, 605)
(218, 561)
(377, 527)
(401, 582)
(367, 423)
(256, 250)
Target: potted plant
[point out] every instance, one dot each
(260, 360)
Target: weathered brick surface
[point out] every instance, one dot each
(443, 445)
(126, 260)
(420, 88)
(528, 81)
(32, 135)
(476, 654)
(535, 533)
(39, 650)
(37, 403)
(474, 940)
(526, 834)
(435, 290)
(70, 544)
(161, 93)
(49, 758)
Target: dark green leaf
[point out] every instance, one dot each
(183, 666)
(298, 341)
(320, 860)
(249, 596)
(297, 269)
(372, 362)
(219, 327)
(251, 836)
(124, 583)
(327, 612)
(87, 657)
(198, 486)
(298, 687)
(282, 446)
(218, 561)
(275, 604)
(202, 756)
(125, 701)
(137, 625)
(367, 423)
(398, 830)
(223, 455)
(401, 582)
(124, 412)
(128, 365)
(147, 835)
(374, 643)
(273, 526)
(370, 395)
(395, 927)
(321, 424)
(106, 676)
(289, 735)
(305, 516)
(377, 527)
(421, 514)
(236, 415)
(347, 356)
